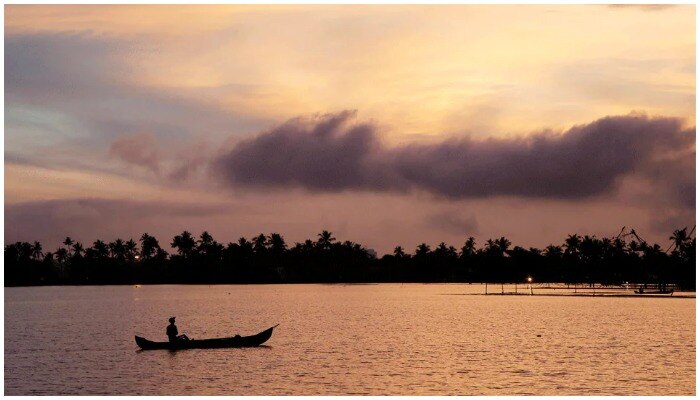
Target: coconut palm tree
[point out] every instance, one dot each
(77, 250)
(503, 244)
(493, 248)
(36, 251)
(62, 257)
(469, 248)
(260, 244)
(61, 254)
(325, 240)
(398, 252)
(553, 251)
(149, 246)
(277, 244)
(117, 250)
(184, 243)
(131, 249)
(679, 237)
(100, 249)
(68, 242)
(422, 250)
(572, 249)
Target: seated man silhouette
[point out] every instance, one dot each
(171, 331)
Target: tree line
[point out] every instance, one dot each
(269, 259)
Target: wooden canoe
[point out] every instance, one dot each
(235, 341)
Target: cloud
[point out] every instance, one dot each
(139, 149)
(89, 219)
(78, 92)
(321, 153)
(329, 153)
(190, 162)
(453, 222)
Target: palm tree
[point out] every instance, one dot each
(77, 250)
(61, 257)
(590, 249)
(117, 250)
(469, 248)
(503, 244)
(572, 244)
(68, 243)
(308, 246)
(61, 254)
(149, 246)
(184, 243)
(493, 248)
(131, 249)
(206, 238)
(679, 237)
(208, 247)
(651, 252)
(101, 249)
(553, 251)
(422, 250)
(260, 244)
(36, 251)
(243, 243)
(48, 257)
(535, 251)
(277, 244)
(325, 240)
(398, 252)
(634, 247)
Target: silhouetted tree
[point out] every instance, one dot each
(277, 244)
(260, 244)
(36, 251)
(184, 243)
(325, 240)
(149, 246)
(268, 259)
(130, 249)
(117, 250)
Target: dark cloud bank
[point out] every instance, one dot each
(331, 153)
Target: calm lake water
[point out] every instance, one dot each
(347, 339)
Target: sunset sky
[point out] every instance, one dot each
(387, 125)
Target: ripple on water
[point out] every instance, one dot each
(358, 339)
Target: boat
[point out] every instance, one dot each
(228, 342)
(661, 288)
(661, 291)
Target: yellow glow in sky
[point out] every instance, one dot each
(419, 70)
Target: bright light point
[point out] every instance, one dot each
(529, 279)
(137, 257)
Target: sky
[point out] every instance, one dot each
(387, 125)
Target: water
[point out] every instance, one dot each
(347, 339)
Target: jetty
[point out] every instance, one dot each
(585, 290)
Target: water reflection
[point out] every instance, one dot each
(347, 339)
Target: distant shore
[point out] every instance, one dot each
(267, 259)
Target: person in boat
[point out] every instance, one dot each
(172, 333)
